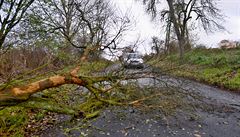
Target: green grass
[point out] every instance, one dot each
(12, 119)
(214, 66)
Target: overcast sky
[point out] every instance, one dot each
(231, 9)
(145, 28)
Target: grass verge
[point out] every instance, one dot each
(216, 67)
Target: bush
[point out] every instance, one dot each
(200, 46)
(18, 61)
(202, 60)
(219, 61)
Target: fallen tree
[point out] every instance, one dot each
(21, 93)
(13, 95)
(16, 94)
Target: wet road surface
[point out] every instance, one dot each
(217, 114)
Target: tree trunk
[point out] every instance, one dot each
(167, 38)
(21, 93)
(9, 96)
(2, 39)
(181, 48)
(177, 28)
(85, 55)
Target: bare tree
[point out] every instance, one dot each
(181, 13)
(104, 26)
(85, 25)
(58, 17)
(11, 13)
(158, 45)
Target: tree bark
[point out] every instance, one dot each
(85, 55)
(21, 93)
(181, 40)
(181, 48)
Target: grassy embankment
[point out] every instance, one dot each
(216, 67)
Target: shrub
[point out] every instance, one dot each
(219, 61)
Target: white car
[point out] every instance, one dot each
(132, 60)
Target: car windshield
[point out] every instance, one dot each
(134, 56)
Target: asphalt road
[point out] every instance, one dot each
(217, 114)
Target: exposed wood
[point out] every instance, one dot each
(21, 93)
